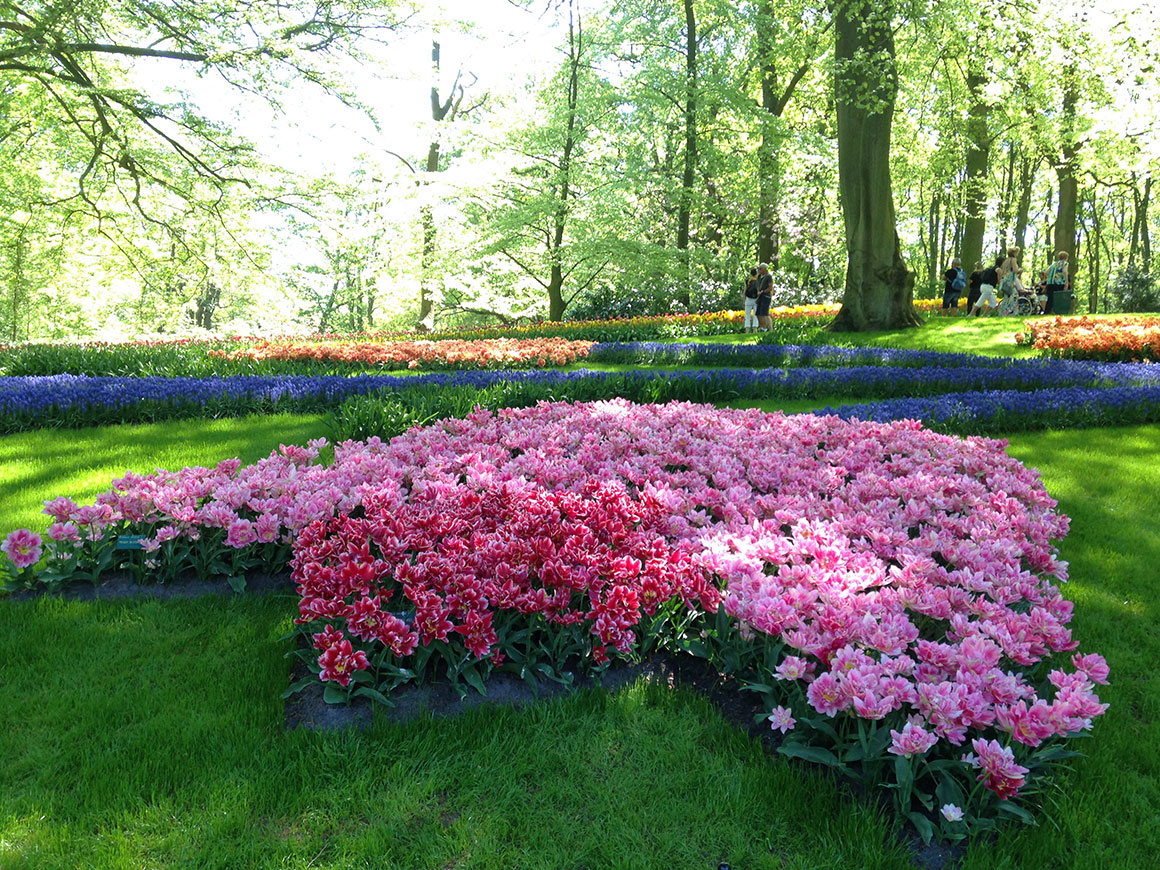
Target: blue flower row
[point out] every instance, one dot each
(824, 356)
(27, 402)
(33, 395)
(1012, 410)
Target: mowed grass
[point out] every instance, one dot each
(151, 734)
(990, 336)
(82, 463)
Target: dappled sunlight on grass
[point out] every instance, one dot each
(1108, 482)
(989, 336)
(150, 733)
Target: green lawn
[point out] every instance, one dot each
(149, 734)
(1108, 812)
(989, 336)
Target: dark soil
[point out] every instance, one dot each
(307, 709)
(120, 585)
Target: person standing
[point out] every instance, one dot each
(975, 285)
(956, 282)
(1056, 281)
(1010, 267)
(764, 297)
(1008, 290)
(749, 301)
(1041, 291)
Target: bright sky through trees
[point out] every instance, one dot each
(496, 42)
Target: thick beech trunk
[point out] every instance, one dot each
(978, 158)
(879, 290)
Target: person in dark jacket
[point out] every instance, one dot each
(955, 282)
(764, 297)
(1057, 280)
(974, 285)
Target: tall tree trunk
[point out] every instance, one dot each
(689, 175)
(774, 99)
(933, 222)
(1007, 200)
(715, 205)
(1027, 169)
(354, 294)
(943, 260)
(1065, 171)
(329, 306)
(16, 284)
(426, 216)
(879, 290)
(441, 110)
(1141, 237)
(556, 301)
(1145, 231)
(978, 158)
(1093, 245)
(370, 289)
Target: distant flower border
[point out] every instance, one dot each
(1131, 338)
(450, 353)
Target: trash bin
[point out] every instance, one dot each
(1064, 301)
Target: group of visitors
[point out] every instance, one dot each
(758, 294)
(998, 287)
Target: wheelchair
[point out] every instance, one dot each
(1019, 304)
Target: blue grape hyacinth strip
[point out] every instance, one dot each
(1011, 410)
(27, 402)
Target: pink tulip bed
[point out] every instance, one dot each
(892, 593)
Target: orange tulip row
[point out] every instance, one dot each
(1107, 339)
(487, 353)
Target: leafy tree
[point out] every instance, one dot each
(442, 111)
(1134, 290)
(788, 42)
(547, 218)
